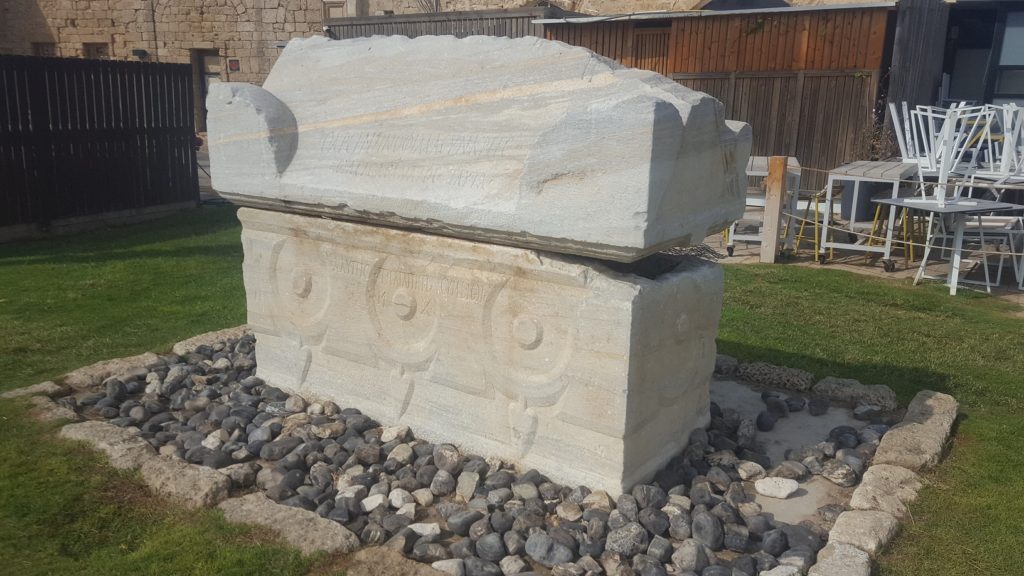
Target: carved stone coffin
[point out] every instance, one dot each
(591, 375)
(524, 142)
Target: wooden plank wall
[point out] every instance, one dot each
(84, 137)
(805, 40)
(510, 23)
(806, 81)
(611, 39)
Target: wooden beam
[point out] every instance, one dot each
(775, 191)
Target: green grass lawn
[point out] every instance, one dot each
(68, 302)
(72, 301)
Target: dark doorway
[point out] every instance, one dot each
(968, 50)
(207, 66)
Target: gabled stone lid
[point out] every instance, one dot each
(524, 142)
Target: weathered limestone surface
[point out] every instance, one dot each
(868, 530)
(482, 138)
(852, 392)
(94, 374)
(838, 559)
(184, 483)
(591, 375)
(47, 388)
(301, 528)
(917, 442)
(208, 338)
(887, 488)
(46, 410)
(123, 447)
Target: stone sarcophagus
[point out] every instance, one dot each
(434, 230)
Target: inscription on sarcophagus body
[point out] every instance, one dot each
(461, 236)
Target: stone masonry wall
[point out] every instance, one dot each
(249, 30)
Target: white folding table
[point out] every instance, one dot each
(892, 173)
(959, 211)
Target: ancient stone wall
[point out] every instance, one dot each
(251, 31)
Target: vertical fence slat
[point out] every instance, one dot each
(84, 137)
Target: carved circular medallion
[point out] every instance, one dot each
(300, 286)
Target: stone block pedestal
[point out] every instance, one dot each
(590, 374)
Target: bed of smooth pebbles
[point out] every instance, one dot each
(471, 516)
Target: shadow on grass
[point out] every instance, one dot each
(195, 225)
(218, 250)
(906, 381)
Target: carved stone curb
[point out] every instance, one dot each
(886, 488)
(47, 388)
(850, 391)
(868, 530)
(183, 483)
(889, 486)
(94, 374)
(123, 447)
(303, 529)
(839, 559)
(917, 442)
(209, 338)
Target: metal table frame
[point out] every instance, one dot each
(959, 212)
(865, 171)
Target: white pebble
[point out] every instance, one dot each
(426, 528)
(370, 503)
(780, 488)
(390, 433)
(424, 497)
(750, 470)
(400, 497)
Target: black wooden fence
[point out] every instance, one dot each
(84, 137)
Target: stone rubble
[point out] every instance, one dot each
(345, 488)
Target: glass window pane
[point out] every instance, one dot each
(1013, 40)
(1017, 101)
(1010, 82)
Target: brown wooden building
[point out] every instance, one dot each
(808, 79)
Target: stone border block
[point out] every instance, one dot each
(850, 391)
(123, 447)
(886, 488)
(95, 374)
(303, 529)
(47, 388)
(839, 559)
(209, 338)
(183, 483)
(917, 442)
(774, 376)
(868, 530)
(46, 410)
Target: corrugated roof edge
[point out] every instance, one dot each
(700, 13)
